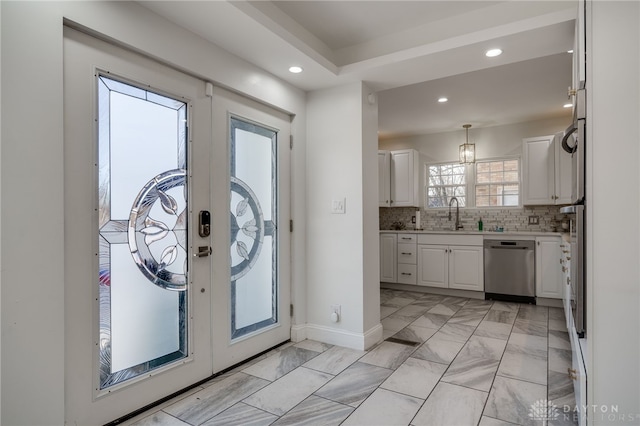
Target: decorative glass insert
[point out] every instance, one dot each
(142, 221)
(254, 254)
(497, 183)
(445, 181)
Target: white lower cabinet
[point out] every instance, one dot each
(398, 258)
(406, 258)
(406, 273)
(388, 243)
(549, 267)
(578, 374)
(433, 265)
(451, 266)
(565, 285)
(466, 268)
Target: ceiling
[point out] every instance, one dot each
(408, 52)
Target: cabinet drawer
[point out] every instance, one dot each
(448, 239)
(406, 273)
(407, 253)
(407, 238)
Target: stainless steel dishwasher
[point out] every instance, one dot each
(509, 270)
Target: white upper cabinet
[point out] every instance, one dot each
(562, 172)
(404, 178)
(538, 170)
(579, 45)
(384, 178)
(546, 171)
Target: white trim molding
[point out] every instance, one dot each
(345, 338)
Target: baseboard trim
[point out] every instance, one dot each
(435, 290)
(553, 303)
(344, 338)
(298, 333)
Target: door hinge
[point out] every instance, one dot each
(290, 141)
(291, 310)
(291, 225)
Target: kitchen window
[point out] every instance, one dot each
(445, 181)
(497, 183)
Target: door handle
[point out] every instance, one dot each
(203, 251)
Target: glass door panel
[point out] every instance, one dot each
(142, 193)
(254, 259)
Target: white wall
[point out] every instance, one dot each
(371, 246)
(32, 274)
(32, 257)
(613, 210)
(0, 214)
(490, 142)
(336, 168)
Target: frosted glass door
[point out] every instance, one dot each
(137, 157)
(254, 250)
(142, 221)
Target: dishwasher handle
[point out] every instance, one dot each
(510, 247)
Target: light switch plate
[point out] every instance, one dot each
(534, 220)
(338, 206)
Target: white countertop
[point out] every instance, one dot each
(491, 234)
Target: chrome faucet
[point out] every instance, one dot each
(458, 224)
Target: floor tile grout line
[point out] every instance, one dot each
(248, 405)
(444, 372)
(484, 407)
(415, 349)
(316, 396)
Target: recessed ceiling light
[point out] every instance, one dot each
(493, 52)
(567, 105)
(443, 99)
(570, 51)
(295, 70)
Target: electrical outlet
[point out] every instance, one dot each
(534, 220)
(335, 313)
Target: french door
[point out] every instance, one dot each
(256, 218)
(176, 262)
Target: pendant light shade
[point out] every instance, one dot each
(467, 150)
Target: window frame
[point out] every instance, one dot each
(471, 183)
(519, 182)
(427, 186)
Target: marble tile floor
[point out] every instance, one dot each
(444, 361)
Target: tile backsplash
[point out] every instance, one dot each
(514, 219)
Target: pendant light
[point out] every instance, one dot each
(467, 150)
